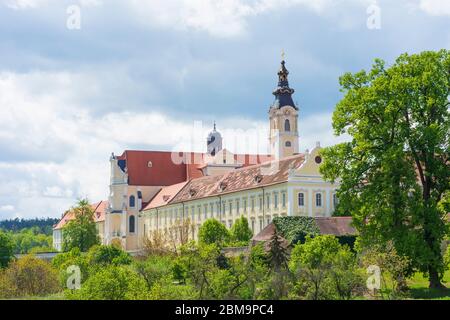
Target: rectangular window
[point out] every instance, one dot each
(275, 200)
(301, 199)
(318, 199)
(211, 207)
(268, 201)
(205, 211)
(223, 207)
(217, 209)
(245, 205)
(335, 200)
(283, 199)
(253, 225)
(261, 203)
(260, 224)
(238, 204)
(253, 204)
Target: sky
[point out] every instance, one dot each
(81, 79)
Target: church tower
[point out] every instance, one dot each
(214, 142)
(283, 116)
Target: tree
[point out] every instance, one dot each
(111, 283)
(395, 170)
(81, 232)
(29, 276)
(240, 232)
(324, 269)
(212, 231)
(105, 255)
(6, 249)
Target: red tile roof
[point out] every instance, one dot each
(165, 195)
(164, 171)
(240, 179)
(99, 209)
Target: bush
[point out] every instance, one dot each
(65, 260)
(29, 276)
(111, 283)
(212, 231)
(240, 232)
(324, 269)
(154, 269)
(104, 255)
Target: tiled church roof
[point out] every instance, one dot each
(165, 172)
(237, 180)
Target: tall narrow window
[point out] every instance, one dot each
(131, 224)
(283, 197)
(287, 125)
(318, 199)
(335, 200)
(301, 199)
(132, 201)
(275, 201)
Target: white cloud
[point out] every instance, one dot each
(7, 207)
(218, 17)
(436, 7)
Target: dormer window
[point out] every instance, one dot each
(258, 178)
(192, 192)
(222, 186)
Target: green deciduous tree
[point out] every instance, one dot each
(324, 269)
(81, 232)
(111, 283)
(104, 255)
(395, 170)
(29, 276)
(212, 231)
(240, 232)
(6, 249)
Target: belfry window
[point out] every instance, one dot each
(132, 202)
(132, 224)
(287, 125)
(288, 144)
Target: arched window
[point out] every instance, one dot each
(132, 224)
(288, 144)
(287, 125)
(132, 202)
(139, 194)
(301, 199)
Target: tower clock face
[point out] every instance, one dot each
(318, 160)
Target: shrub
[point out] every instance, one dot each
(324, 269)
(240, 232)
(212, 231)
(104, 255)
(155, 268)
(111, 283)
(65, 260)
(29, 276)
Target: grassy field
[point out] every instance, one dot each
(419, 288)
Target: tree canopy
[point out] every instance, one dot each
(212, 231)
(81, 232)
(395, 170)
